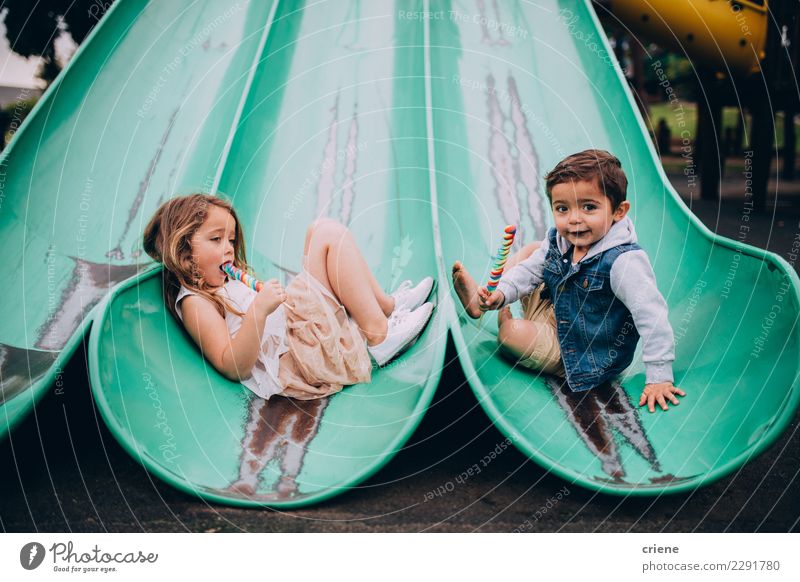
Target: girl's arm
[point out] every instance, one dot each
(234, 357)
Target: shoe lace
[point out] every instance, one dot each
(399, 315)
(404, 286)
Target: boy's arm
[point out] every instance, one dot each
(523, 277)
(634, 283)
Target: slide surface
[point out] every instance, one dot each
(142, 111)
(516, 88)
(293, 112)
(426, 128)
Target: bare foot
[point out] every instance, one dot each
(466, 289)
(504, 315)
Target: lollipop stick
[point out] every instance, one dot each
(239, 275)
(500, 262)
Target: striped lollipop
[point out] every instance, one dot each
(239, 275)
(502, 256)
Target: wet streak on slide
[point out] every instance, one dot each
(328, 124)
(141, 112)
(426, 137)
(516, 86)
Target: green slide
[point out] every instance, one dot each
(325, 126)
(293, 112)
(513, 90)
(142, 111)
(426, 128)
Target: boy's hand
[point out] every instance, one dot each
(487, 301)
(271, 295)
(660, 393)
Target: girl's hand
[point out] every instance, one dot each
(489, 302)
(660, 393)
(272, 294)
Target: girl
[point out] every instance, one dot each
(299, 341)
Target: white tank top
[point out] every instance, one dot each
(264, 377)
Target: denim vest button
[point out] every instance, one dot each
(584, 337)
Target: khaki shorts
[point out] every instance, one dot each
(546, 355)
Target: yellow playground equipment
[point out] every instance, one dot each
(727, 35)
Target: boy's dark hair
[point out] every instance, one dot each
(591, 165)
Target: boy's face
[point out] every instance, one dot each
(583, 213)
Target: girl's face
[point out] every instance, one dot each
(583, 213)
(213, 245)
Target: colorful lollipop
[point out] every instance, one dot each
(501, 257)
(239, 275)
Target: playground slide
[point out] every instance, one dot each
(426, 136)
(515, 90)
(326, 126)
(142, 111)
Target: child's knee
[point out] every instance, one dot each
(507, 332)
(317, 225)
(324, 230)
(327, 227)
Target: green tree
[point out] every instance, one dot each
(33, 27)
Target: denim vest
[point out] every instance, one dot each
(595, 330)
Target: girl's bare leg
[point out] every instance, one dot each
(467, 288)
(334, 259)
(385, 301)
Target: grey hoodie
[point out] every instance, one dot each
(632, 281)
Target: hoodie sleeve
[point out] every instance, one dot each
(634, 283)
(523, 278)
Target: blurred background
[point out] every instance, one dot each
(725, 124)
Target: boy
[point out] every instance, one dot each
(587, 290)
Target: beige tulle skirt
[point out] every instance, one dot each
(326, 348)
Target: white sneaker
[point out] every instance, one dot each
(407, 297)
(404, 327)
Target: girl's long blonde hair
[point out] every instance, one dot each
(167, 239)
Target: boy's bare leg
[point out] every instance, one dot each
(519, 337)
(333, 258)
(504, 315)
(467, 288)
